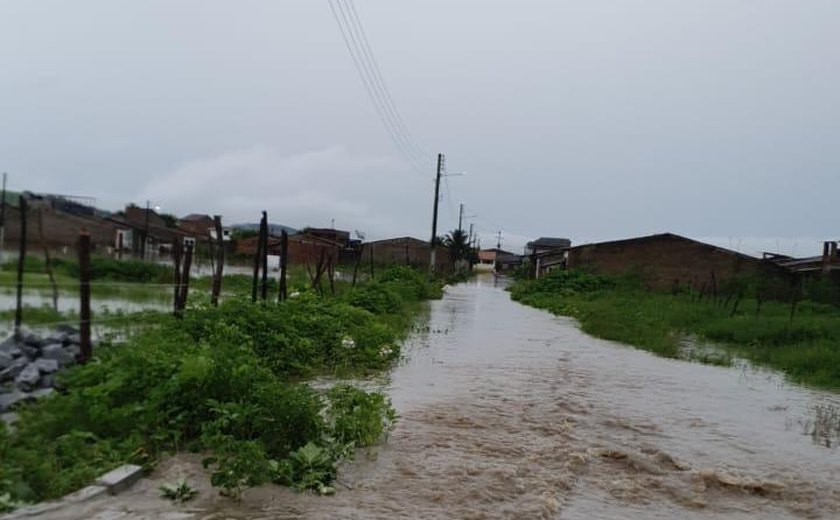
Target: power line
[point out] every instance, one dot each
(380, 81)
(362, 68)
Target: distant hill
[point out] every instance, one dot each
(273, 229)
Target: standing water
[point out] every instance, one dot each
(509, 412)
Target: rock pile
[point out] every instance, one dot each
(28, 366)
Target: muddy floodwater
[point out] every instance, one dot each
(509, 412)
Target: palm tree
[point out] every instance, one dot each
(457, 243)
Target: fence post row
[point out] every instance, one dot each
(84, 297)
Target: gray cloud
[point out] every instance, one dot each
(593, 120)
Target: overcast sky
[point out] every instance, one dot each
(716, 119)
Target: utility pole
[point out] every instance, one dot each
(3, 221)
(433, 244)
(460, 217)
(499, 239)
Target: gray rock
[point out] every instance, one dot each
(66, 329)
(30, 338)
(9, 418)
(6, 389)
(47, 381)
(63, 355)
(30, 351)
(56, 337)
(7, 401)
(28, 378)
(13, 371)
(10, 346)
(42, 392)
(46, 366)
(6, 360)
(74, 338)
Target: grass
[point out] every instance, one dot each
(804, 345)
(228, 382)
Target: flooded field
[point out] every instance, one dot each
(509, 412)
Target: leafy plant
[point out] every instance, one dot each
(180, 491)
(309, 467)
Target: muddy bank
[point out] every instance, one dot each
(509, 412)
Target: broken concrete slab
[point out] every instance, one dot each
(86, 493)
(121, 478)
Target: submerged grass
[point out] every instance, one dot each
(804, 345)
(225, 381)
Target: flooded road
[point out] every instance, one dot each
(509, 412)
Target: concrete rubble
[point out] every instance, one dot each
(28, 365)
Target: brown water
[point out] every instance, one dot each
(509, 412)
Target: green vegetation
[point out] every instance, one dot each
(224, 381)
(803, 343)
(180, 491)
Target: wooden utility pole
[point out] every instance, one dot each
(460, 218)
(220, 261)
(433, 243)
(284, 262)
(21, 259)
(84, 297)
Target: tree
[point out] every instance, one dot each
(457, 243)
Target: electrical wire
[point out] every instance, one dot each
(380, 81)
(363, 69)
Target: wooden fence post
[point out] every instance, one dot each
(84, 297)
(358, 261)
(21, 260)
(177, 252)
(47, 259)
(371, 261)
(264, 281)
(220, 261)
(185, 279)
(284, 262)
(257, 262)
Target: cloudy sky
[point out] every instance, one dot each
(594, 120)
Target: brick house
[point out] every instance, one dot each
(666, 260)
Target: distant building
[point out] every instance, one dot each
(546, 245)
(489, 258)
(198, 225)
